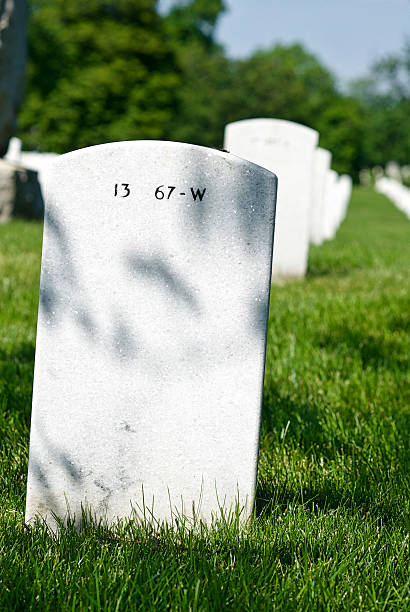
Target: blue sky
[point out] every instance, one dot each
(346, 35)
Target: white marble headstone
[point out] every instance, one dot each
(287, 149)
(151, 334)
(345, 185)
(331, 203)
(321, 166)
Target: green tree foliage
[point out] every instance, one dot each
(99, 71)
(385, 100)
(284, 82)
(104, 70)
(341, 129)
(205, 89)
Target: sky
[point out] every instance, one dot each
(346, 35)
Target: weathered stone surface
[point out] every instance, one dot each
(13, 26)
(287, 149)
(20, 193)
(151, 334)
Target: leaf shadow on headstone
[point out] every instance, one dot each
(64, 277)
(157, 268)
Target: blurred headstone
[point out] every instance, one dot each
(331, 204)
(13, 30)
(405, 173)
(30, 160)
(13, 154)
(287, 149)
(151, 339)
(40, 162)
(377, 172)
(321, 166)
(20, 194)
(365, 177)
(393, 170)
(343, 193)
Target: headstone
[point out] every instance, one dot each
(330, 208)
(321, 166)
(30, 160)
(13, 27)
(365, 177)
(151, 337)
(405, 173)
(377, 172)
(13, 154)
(393, 171)
(343, 187)
(346, 184)
(287, 149)
(20, 194)
(40, 162)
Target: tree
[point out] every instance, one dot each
(285, 82)
(384, 97)
(206, 72)
(99, 71)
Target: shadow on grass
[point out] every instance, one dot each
(16, 377)
(363, 497)
(374, 350)
(337, 262)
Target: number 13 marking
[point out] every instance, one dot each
(125, 188)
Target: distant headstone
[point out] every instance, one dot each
(345, 186)
(13, 154)
(20, 194)
(321, 166)
(13, 27)
(40, 162)
(365, 177)
(287, 149)
(151, 336)
(331, 203)
(377, 172)
(405, 172)
(393, 171)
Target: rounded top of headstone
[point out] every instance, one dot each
(281, 130)
(323, 155)
(165, 148)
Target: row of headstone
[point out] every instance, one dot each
(392, 170)
(398, 193)
(151, 338)
(312, 198)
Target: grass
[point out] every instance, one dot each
(332, 507)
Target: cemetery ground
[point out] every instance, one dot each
(332, 502)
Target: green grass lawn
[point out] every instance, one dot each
(332, 509)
